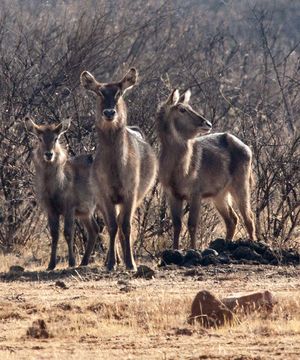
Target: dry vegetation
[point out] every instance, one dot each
(241, 60)
(106, 316)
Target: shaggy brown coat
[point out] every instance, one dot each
(216, 166)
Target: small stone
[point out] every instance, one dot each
(16, 269)
(209, 311)
(61, 284)
(144, 271)
(38, 330)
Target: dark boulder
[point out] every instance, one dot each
(171, 257)
(245, 253)
(225, 258)
(209, 251)
(210, 260)
(220, 245)
(192, 258)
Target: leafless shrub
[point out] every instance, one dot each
(241, 61)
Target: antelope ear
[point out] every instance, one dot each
(185, 97)
(62, 127)
(173, 97)
(88, 81)
(129, 80)
(32, 127)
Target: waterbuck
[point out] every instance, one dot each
(124, 168)
(63, 188)
(191, 168)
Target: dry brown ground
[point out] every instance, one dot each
(115, 316)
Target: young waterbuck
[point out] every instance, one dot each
(192, 168)
(63, 188)
(125, 165)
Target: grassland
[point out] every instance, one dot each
(111, 316)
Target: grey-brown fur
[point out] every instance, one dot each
(125, 165)
(63, 188)
(216, 166)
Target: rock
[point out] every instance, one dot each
(220, 245)
(209, 311)
(61, 284)
(209, 251)
(259, 301)
(209, 260)
(224, 258)
(269, 255)
(171, 257)
(192, 258)
(193, 272)
(245, 253)
(144, 271)
(16, 269)
(259, 246)
(290, 256)
(38, 330)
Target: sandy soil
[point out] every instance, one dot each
(92, 314)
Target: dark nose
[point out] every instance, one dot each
(48, 155)
(109, 113)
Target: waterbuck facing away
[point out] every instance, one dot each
(63, 188)
(192, 168)
(124, 168)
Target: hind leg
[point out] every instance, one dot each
(91, 226)
(69, 234)
(223, 205)
(193, 220)
(241, 195)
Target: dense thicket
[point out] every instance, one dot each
(240, 59)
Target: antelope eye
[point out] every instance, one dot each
(182, 109)
(56, 138)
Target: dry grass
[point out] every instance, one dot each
(117, 316)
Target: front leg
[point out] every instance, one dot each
(195, 206)
(69, 234)
(176, 213)
(109, 214)
(53, 223)
(125, 218)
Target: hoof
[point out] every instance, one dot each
(84, 262)
(131, 267)
(72, 263)
(51, 267)
(111, 267)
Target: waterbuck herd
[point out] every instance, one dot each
(117, 178)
